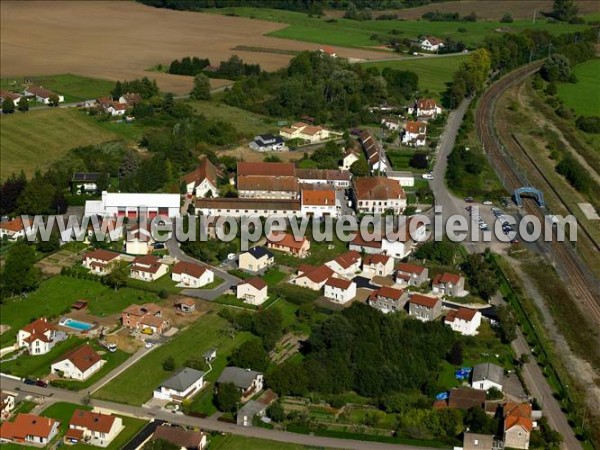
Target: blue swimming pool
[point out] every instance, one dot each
(76, 324)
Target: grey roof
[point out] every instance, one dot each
(474, 441)
(488, 371)
(183, 379)
(85, 176)
(242, 378)
(251, 408)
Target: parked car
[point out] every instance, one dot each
(41, 383)
(148, 344)
(488, 202)
(427, 176)
(469, 199)
(29, 381)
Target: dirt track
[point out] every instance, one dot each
(120, 40)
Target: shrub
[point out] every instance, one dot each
(590, 124)
(507, 18)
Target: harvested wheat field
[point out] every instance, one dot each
(121, 40)
(486, 9)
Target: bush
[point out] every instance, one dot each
(507, 18)
(590, 124)
(564, 112)
(164, 294)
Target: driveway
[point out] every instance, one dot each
(207, 294)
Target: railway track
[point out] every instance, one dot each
(580, 281)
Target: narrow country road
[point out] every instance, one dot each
(55, 395)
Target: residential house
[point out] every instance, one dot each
(251, 409)
(7, 404)
(249, 382)
(78, 364)
(148, 268)
(374, 152)
(203, 181)
(15, 97)
(351, 155)
(390, 123)
(185, 305)
(387, 299)
(93, 428)
(15, 229)
(29, 429)
(309, 134)
(340, 290)
(517, 425)
(286, 243)
(486, 376)
(329, 51)
(319, 203)
(312, 277)
(412, 274)
(130, 98)
(139, 239)
(183, 385)
(210, 355)
(431, 44)
(404, 178)
(247, 207)
(404, 243)
(181, 438)
(42, 95)
(424, 307)
(102, 228)
(339, 179)
(448, 284)
(85, 183)
(463, 398)
(465, 321)
(112, 107)
(38, 337)
(425, 109)
(346, 264)
(144, 317)
(378, 195)
(253, 291)
(100, 261)
(476, 441)
(256, 259)
(267, 180)
(191, 275)
(415, 134)
(134, 205)
(268, 143)
(378, 265)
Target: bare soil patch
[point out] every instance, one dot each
(53, 264)
(244, 153)
(485, 9)
(120, 40)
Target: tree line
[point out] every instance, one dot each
(233, 69)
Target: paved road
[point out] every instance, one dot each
(206, 294)
(206, 424)
(535, 381)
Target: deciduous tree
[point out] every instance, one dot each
(201, 89)
(228, 397)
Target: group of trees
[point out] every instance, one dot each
(470, 78)
(19, 273)
(9, 107)
(188, 65)
(437, 16)
(442, 252)
(145, 87)
(575, 174)
(481, 275)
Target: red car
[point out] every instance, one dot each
(41, 383)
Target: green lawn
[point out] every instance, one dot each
(352, 33)
(189, 343)
(247, 123)
(320, 252)
(28, 366)
(55, 297)
(74, 87)
(233, 442)
(64, 411)
(163, 283)
(583, 96)
(433, 73)
(273, 276)
(217, 282)
(35, 139)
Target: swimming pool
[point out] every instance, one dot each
(76, 324)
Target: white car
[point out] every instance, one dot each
(148, 344)
(488, 202)
(428, 176)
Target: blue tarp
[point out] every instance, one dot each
(442, 396)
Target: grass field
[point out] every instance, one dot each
(190, 343)
(433, 73)
(232, 442)
(74, 87)
(56, 295)
(583, 96)
(64, 411)
(35, 139)
(352, 33)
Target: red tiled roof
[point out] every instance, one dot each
(146, 263)
(206, 170)
(142, 310)
(411, 268)
(195, 270)
(287, 240)
(322, 174)
(318, 198)
(256, 283)
(40, 91)
(266, 169)
(378, 188)
(339, 283)
(389, 292)
(433, 40)
(378, 258)
(101, 254)
(415, 127)
(92, 421)
(466, 314)
(345, 260)
(267, 183)
(12, 95)
(446, 278)
(315, 274)
(517, 414)
(13, 225)
(178, 436)
(38, 326)
(358, 240)
(466, 398)
(27, 425)
(82, 357)
(424, 300)
(426, 103)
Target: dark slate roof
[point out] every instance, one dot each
(242, 378)
(85, 176)
(488, 371)
(267, 139)
(259, 252)
(183, 379)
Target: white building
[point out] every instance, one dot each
(15, 229)
(378, 195)
(100, 261)
(406, 179)
(133, 206)
(415, 134)
(203, 181)
(93, 428)
(312, 277)
(191, 275)
(253, 291)
(184, 384)
(346, 265)
(38, 337)
(320, 203)
(486, 376)
(147, 268)
(463, 320)
(431, 44)
(378, 265)
(268, 143)
(249, 382)
(42, 95)
(78, 364)
(350, 157)
(247, 207)
(310, 134)
(256, 259)
(339, 290)
(390, 124)
(29, 429)
(425, 109)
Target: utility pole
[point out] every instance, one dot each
(534, 15)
